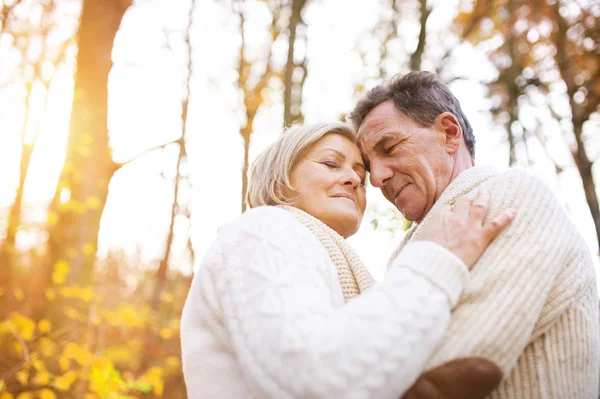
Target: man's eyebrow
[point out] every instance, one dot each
(344, 157)
(383, 140)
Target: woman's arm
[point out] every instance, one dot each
(290, 339)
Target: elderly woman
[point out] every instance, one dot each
(282, 307)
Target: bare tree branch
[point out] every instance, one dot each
(417, 56)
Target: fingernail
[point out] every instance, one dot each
(511, 213)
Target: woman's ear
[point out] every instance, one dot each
(448, 125)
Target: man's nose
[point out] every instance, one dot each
(380, 174)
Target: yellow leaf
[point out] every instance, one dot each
(64, 363)
(61, 266)
(79, 353)
(72, 313)
(2, 385)
(67, 292)
(166, 333)
(64, 382)
(44, 326)
(18, 348)
(130, 317)
(50, 294)
(86, 294)
(22, 376)
(18, 293)
(173, 361)
(58, 278)
(24, 325)
(41, 378)
(25, 395)
(46, 394)
(46, 346)
(52, 219)
(38, 365)
(158, 388)
(6, 395)
(88, 396)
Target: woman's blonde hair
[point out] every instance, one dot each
(271, 172)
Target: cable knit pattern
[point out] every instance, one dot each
(352, 273)
(531, 305)
(266, 317)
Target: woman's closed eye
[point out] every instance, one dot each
(330, 164)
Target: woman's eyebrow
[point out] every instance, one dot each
(336, 151)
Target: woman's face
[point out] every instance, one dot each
(329, 184)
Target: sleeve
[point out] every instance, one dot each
(511, 282)
(290, 339)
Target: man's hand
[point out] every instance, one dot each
(468, 378)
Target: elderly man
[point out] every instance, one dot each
(531, 306)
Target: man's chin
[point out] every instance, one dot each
(412, 215)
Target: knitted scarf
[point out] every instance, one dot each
(352, 273)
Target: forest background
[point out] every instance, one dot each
(127, 128)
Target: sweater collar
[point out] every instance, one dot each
(464, 183)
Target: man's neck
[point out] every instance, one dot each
(462, 162)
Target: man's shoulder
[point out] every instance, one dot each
(518, 182)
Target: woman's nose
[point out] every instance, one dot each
(352, 179)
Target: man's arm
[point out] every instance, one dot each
(512, 280)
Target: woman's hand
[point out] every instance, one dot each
(462, 230)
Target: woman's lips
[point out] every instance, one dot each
(344, 195)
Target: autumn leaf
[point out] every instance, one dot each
(46, 394)
(44, 326)
(64, 382)
(22, 376)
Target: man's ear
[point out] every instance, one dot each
(448, 125)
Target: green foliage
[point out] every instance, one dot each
(387, 219)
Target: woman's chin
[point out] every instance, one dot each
(348, 226)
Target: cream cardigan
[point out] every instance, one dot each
(531, 305)
(265, 316)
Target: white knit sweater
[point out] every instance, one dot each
(265, 316)
(531, 304)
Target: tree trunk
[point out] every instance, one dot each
(584, 166)
(88, 168)
(7, 251)
(417, 57)
(246, 132)
(578, 116)
(295, 19)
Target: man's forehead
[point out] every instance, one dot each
(372, 131)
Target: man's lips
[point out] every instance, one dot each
(398, 194)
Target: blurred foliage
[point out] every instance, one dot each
(387, 219)
(98, 353)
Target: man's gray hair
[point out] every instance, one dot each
(271, 172)
(421, 96)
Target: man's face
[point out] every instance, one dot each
(407, 162)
